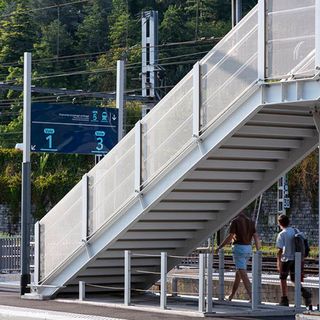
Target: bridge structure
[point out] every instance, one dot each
(247, 113)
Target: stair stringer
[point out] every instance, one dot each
(211, 139)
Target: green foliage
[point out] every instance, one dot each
(305, 175)
(92, 33)
(52, 177)
(16, 32)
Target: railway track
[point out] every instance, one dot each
(268, 264)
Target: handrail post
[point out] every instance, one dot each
(36, 271)
(221, 275)
(127, 277)
(196, 99)
(209, 282)
(201, 305)
(138, 158)
(317, 35)
(163, 286)
(297, 280)
(84, 207)
(262, 40)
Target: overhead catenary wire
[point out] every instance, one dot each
(85, 55)
(47, 8)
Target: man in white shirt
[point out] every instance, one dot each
(285, 260)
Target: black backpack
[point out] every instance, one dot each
(301, 243)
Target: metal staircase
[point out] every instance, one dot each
(239, 120)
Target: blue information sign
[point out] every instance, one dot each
(71, 128)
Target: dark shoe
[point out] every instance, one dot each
(307, 296)
(284, 302)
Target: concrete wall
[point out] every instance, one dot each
(5, 221)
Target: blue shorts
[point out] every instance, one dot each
(241, 255)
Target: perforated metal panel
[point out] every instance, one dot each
(229, 69)
(60, 231)
(111, 183)
(290, 34)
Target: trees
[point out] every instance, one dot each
(17, 32)
(92, 33)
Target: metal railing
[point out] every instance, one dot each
(205, 290)
(10, 254)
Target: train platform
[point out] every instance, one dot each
(143, 306)
(14, 308)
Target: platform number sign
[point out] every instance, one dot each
(73, 129)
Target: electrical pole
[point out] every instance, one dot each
(149, 23)
(26, 179)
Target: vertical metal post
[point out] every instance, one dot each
(120, 97)
(201, 305)
(26, 178)
(163, 286)
(127, 277)
(82, 290)
(297, 282)
(84, 207)
(221, 275)
(209, 282)
(317, 35)
(256, 280)
(236, 12)
(316, 119)
(36, 253)
(262, 40)
(196, 99)
(138, 156)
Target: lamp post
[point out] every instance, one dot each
(26, 179)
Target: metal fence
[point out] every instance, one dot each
(10, 253)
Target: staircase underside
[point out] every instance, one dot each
(266, 143)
